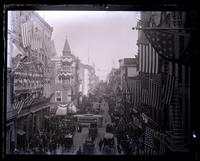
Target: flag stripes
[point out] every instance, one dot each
(18, 105)
(162, 139)
(134, 86)
(149, 136)
(26, 33)
(148, 59)
(36, 42)
(168, 88)
(155, 94)
(29, 100)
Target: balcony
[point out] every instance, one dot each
(28, 88)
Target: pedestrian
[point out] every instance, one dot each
(79, 151)
(119, 149)
(100, 144)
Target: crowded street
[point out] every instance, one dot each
(116, 84)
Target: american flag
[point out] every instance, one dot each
(134, 86)
(29, 100)
(161, 41)
(148, 58)
(169, 82)
(145, 82)
(18, 105)
(46, 45)
(151, 90)
(161, 142)
(155, 93)
(36, 42)
(26, 32)
(149, 138)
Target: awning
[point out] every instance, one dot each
(20, 132)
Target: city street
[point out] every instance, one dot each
(80, 137)
(99, 83)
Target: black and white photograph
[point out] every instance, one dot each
(99, 82)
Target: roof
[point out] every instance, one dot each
(66, 49)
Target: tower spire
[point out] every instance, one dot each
(66, 49)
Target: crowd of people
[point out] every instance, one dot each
(46, 141)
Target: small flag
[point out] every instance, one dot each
(18, 105)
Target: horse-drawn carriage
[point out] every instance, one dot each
(89, 146)
(68, 140)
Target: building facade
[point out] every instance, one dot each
(29, 48)
(157, 57)
(65, 83)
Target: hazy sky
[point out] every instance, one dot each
(102, 37)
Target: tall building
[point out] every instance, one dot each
(163, 53)
(29, 48)
(65, 82)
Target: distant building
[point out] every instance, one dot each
(65, 78)
(29, 50)
(88, 79)
(128, 69)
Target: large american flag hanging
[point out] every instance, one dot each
(148, 59)
(155, 94)
(168, 87)
(161, 41)
(26, 33)
(134, 86)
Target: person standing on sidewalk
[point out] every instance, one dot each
(100, 144)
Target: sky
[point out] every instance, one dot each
(96, 37)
